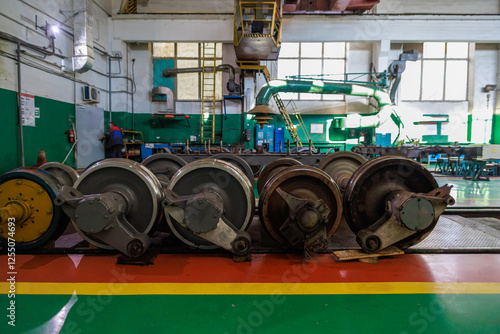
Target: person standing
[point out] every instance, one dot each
(114, 141)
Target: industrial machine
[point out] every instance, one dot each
(419, 152)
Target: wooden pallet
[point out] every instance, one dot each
(360, 255)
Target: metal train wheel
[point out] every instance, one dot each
(27, 195)
(164, 165)
(341, 165)
(221, 178)
(132, 180)
(367, 191)
(64, 173)
(274, 168)
(303, 182)
(238, 162)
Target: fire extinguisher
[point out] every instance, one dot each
(71, 135)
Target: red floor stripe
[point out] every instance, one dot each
(263, 268)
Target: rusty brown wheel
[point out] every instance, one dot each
(317, 198)
(365, 198)
(341, 165)
(274, 168)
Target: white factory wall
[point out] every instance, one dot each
(486, 73)
(483, 71)
(385, 6)
(142, 53)
(373, 36)
(17, 18)
(438, 7)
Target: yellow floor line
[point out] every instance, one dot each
(37, 288)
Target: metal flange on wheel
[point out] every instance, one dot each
(209, 203)
(393, 201)
(274, 168)
(27, 211)
(238, 162)
(114, 204)
(301, 205)
(341, 165)
(65, 174)
(164, 166)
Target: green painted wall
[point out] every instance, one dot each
(48, 134)
(158, 79)
(8, 127)
(469, 127)
(495, 132)
(165, 130)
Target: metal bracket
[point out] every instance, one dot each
(203, 215)
(102, 217)
(306, 223)
(406, 214)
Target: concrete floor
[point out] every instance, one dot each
(439, 293)
(181, 293)
(473, 193)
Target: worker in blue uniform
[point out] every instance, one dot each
(114, 141)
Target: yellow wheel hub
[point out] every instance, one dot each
(31, 207)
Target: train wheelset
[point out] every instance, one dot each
(209, 203)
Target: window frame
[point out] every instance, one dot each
(199, 59)
(299, 59)
(444, 59)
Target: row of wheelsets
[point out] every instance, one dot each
(210, 203)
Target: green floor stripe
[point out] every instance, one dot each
(258, 314)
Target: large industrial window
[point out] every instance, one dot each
(188, 55)
(440, 75)
(312, 59)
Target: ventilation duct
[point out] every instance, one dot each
(83, 47)
(385, 109)
(164, 94)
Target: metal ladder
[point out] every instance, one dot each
(292, 129)
(208, 92)
(300, 121)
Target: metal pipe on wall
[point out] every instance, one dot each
(132, 101)
(19, 108)
(109, 84)
(385, 109)
(242, 133)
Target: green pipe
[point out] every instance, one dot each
(321, 87)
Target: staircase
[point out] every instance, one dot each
(208, 93)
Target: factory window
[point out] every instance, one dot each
(188, 55)
(308, 59)
(440, 75)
